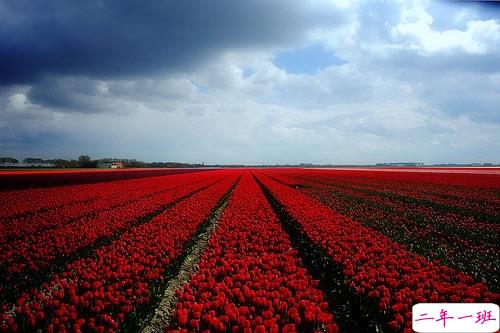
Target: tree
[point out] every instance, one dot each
(33, 160)
(84, 159)
(8, 160)
(86, 162)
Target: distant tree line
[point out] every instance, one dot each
(85, 161)
(8, 160)
(173, 165)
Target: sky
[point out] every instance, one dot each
(251, 82)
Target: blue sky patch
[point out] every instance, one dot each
(307, 60)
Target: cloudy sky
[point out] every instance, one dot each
(226, 81)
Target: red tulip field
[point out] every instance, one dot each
(244, 250)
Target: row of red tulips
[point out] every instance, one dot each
(16, 180)
(373, 265)
(249, 278)
(470, 227)
(477, 198)
(462, 198)
(478, 178)
(99, 293)
(89, 201)
(23, 257)
(28, 262)
(24, 202)
(435, 236)
(461, 242)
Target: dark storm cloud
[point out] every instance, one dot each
(66, 94)
(117, 38)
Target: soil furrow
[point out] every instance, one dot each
(184, 267)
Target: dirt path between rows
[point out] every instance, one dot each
(163, 314)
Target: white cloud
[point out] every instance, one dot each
(477, 38)
(18, 101)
